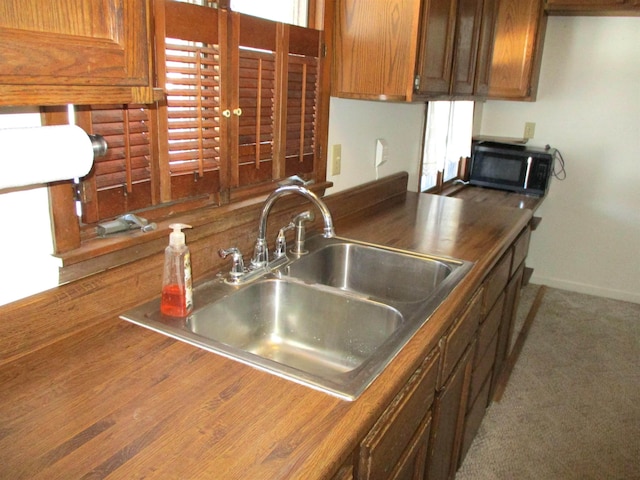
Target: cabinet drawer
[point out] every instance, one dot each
(382, 448)
(520, 249)
(459, 337)
(497, 280)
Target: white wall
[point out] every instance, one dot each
(356, 124)
(588, 107)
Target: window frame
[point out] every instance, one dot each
(75, 243)
(443, 185)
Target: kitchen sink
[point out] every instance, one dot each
(331, 319)
(380, 273)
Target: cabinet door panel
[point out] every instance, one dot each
(411, 465)
(517, 51)
(485, 47)
(435, 60)
(469, 19)
(460, 336)
(81, 44)
(383, 447)
(375, 48)
(448, 421)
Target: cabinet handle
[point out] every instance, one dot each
(237, 111)
(226, 113)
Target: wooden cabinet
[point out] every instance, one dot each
(396, 446)
(448, 424)
(427, 430)
(406, 50)
(437, 41)
(593, 7)
(456, 47)
(74, 51)
(517, 51)
(451, 401)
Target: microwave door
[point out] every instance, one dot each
(528, 172)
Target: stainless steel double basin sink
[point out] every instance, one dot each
(332, 319)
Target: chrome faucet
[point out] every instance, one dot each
(260, 251)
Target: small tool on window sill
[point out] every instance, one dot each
(295, 180)
(125, 223)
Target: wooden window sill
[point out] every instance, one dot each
(100, 254)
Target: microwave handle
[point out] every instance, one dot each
(526, 176)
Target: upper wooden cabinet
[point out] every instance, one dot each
(456, 46)
(593, 7)
(406, 50)
(517, 50)
(74, 51)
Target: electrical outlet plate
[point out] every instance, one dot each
(529, 130)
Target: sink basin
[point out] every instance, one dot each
(310, 335)
(310, 330)
(332, 319)
(384, 274)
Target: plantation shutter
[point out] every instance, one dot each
(189, 73)
(303, 99)
(254, 100)
(278, 95)
(121, 180)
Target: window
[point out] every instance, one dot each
(447, 139)
(241, 109)
(286, 11)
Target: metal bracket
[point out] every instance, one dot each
(125, 223)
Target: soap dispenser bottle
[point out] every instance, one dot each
(177, 297)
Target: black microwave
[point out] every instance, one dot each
(516, 168)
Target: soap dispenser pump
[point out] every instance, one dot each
(177, 297)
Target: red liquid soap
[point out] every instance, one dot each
(174, 301)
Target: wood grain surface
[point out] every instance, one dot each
(106, 399)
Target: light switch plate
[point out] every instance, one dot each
(529, 130)
(336, 159)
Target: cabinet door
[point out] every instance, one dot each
(485, 47)
(469, 20)
(375, 48)
(505, 333)
(391, 444)
(517, 51)
(412, 464)
(74, 51)
(437, 39)
(448, 421)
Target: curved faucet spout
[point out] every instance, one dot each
(260, 253)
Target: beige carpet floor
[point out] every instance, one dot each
(571, 409)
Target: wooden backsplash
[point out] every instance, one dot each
(45, 318)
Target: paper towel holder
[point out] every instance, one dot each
(99, 145)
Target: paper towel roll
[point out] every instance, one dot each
(35, 155)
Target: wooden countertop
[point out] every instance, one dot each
(120, 401)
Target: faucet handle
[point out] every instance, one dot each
(237, 268)
(281, 241)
